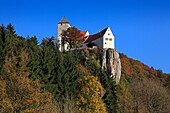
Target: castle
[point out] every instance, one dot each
(104, 39)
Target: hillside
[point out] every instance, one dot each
(40, 78)
(130, 68)
(135, 69)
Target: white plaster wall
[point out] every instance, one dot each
(108, 43)
(87, 34)
(61, 27)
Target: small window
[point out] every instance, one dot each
(105, 43)
(108, 33)
(106, 38)
(110, 39)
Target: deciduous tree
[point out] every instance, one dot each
(90, 95)
(20, 93)
(72, 37)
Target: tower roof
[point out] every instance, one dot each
(64, 20)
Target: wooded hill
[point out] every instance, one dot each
(39, 78)
(135, 69)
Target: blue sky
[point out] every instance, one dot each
(141, 27)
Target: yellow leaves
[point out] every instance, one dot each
(17, 92)
(90, 95)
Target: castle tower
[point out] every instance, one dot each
(62, 25)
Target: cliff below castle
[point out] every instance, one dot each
(104, 59)
(119, 65)
(111, 60)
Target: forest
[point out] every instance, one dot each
(37, 78)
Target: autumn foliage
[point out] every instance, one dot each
(72, 36)
(18, 92)
(90, 95)
(135, 69)
(40, 79)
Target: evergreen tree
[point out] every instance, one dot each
(35, 57)
(124, 96)
(4, 45)
(19, 93)
(110, 97)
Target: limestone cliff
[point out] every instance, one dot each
(111, 60)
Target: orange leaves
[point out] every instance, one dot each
(72, 36)
(90, 95)
(136, 69)
(82, 70)
(18, 92)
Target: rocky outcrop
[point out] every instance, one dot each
(111, 60)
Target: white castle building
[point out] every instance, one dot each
(104, 39)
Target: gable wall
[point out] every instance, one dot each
(108, 39)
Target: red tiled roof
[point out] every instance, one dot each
(96, 36)
(83, 33)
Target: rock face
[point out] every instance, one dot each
(111, 60)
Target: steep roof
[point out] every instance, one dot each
(83, 33)
(96, 36)
(64, 20)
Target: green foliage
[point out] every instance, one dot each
(92, 64)
(110, 97)
(59, 74)
(3, 45)
(19, 93)
(35, 54)
(125, 97)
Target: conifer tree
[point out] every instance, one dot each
(21, 94)
(125, 97)
(4, 45)
(110, 97)
(35, 58)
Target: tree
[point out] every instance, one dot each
(72, 37)
(90, 95)
(125, 97)
(35, 55)
(110, 97)
(22, 94)
(10, 29)
(150, 96)
(3, 45)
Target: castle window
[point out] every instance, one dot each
(108, 33)
(110, 39)
(105, 43)
(106, 38)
